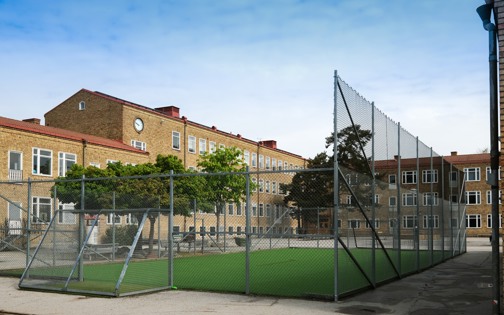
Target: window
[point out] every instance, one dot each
(376, 224)
(202, 146)
(82, 105)
(221, 146)
(212, 230)
(473, 221)
(489, 171)
(349, 199)
(230, 230)
(431, 221)
(472, 174)
(392, 181)
(254, 160)
(376, 199)
(279, 165)
(261, 161)
(176, 229)
(273, 164)
(176, 140)
(277, 211)
(353, 224)
(191, 145)
(268, 210)
(489, 197)
(238, 230)
(15, 165)
(66, 217)
(254, 210)
(409, 199)
(473, 197)
(261, 210)
(430, 199)
(113, 218)
(489, 221)
(95, 164)
(139, 145)
(392, 201)
(239, 209)
(410, 221)
(286, 165)
(231, 209)
(41, 208)
(254, 181)
(42, 162)
(261, 185)
(65, 162)
(131, 219)
(212, 147)
(273, 187)
(246, 157)
(268, 186)
(409, 177)
(429, 176)
(268, 162)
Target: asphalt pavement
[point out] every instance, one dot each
(462, 285)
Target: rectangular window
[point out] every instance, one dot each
(489, 171)
(410, 221)
(202, 146)
(42, 162)
(273, 187)
(472, 174)
(268, 162)
(41, 208)
(353, 224)
(15, 165)
(176, 140)
(65, 162)
(409, 177)
(246, 157)
(409, 199)
(261, 210)
(238, 230)
(473, 221)
(212, 147)
(268, 210)
(231, 209)
(239, 209)
(66, 217)
(268, 186)
(139, 145)
(473, 197)
(273, 164)
(279, 165)
(111, 218)
(392, 181)
(392, 201)
(376, 224)
(489, 197)
(254, 160)
(261, 161)
(212, 230)
(489, 221)
(429, 176)
(254, 210)
(261, 185)
(131, 219)
(191, 144)
(95, 164)
(431, 221)
(286, 165)
(430, 199)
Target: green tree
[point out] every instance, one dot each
(225, 186)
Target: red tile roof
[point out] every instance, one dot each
(469, 158)
(65, 134)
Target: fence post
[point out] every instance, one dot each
(416, 237)
(28, 222)
(399, 200)
(373, 200)
(247, 232)
(82, 228)
(170, 235)
(336, 187)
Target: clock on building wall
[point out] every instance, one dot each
(139, 124)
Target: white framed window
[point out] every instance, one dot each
(139, 145)
(377, 199)
(453, 178)
(473, 221)
(473, 174)
(268, 162)
(392, 181)
(230, 230)
(431, 221)
(176, 140)
(376, 224)
(15, 165)
(202, 146)
(222, 145)
(489, 221)
(429, 176)
(254, 181)
(348, 199)
(95, 164)
(111, 161)
(82, 105)
(191, 144)
(268, 186)
(273, 164)
(261, 185)
(489, 171)
(254, 210)
(489, 197)
(279, 165)
(409, 177)
(430, 199)
(409, 199)
(261, 210)
(354, 224)
(393, 201)
(239, 209)
(66, 217)
(42, 162)
(254, 159)
(111, 217)
(261, 161)
(286, 165)
(212, 146)
(410, 221)
(65, 162)
(230, 208)
(273, 187)
(131, 219)
(246, 157)
(41, 209)
(268, 210)
(473, 197)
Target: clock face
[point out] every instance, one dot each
(139, 124)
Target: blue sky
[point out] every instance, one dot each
(263, 69)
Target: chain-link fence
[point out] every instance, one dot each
(386, 207)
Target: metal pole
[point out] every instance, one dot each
(82, 228)
(336, 187)
(373, 192)
(170, 235)
(247, 233)
(399, 201)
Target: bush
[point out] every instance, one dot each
(124, 235)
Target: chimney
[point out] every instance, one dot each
(172, 111)
(35, 121)
(454, 153)
(397, 157)
(270, 144)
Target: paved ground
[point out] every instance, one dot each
(459, 286)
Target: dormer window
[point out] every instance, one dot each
(82, 105)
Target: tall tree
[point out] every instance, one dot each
(224, 186)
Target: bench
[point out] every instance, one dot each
(100, 250)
